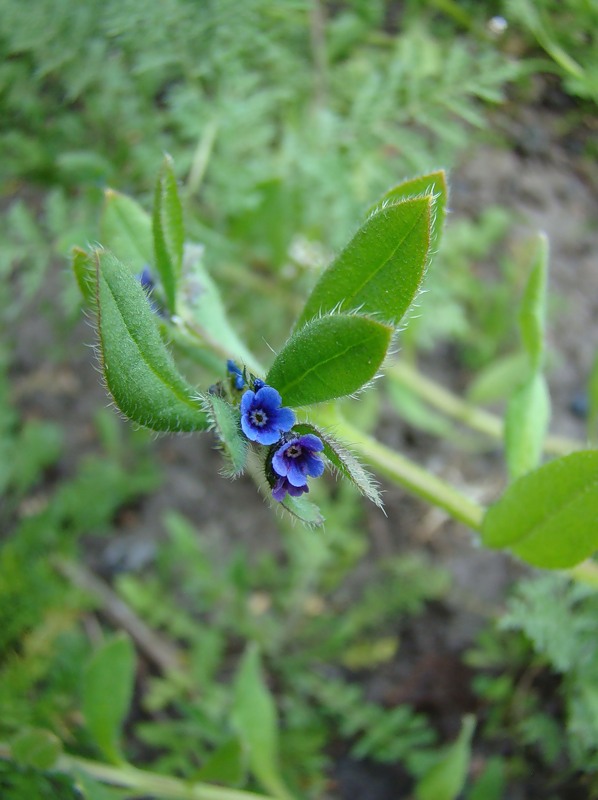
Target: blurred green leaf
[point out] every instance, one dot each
(168, 232)
(381, 269)
(446, 779)
(201, 308)
(532, 315)
(549, 517)
(139, 371)
(499, 379)
(304, 510)
(254, 715)
(36, 748)
(126, 229)
(227, 764)
(528, 415)
(108, 681)
(329, 357)
(593, 402)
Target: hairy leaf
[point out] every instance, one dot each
(549, 517)
(85, 274)
(330, 357)
(345, 462)
(138, 369)
(433, 184)
(381, 269)
(224, 420)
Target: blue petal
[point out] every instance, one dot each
(311, 442)
(314, 465)
(267, 435)
(285, 418)
(296, 475)
(268, 398)
(248, 429)
(279, 463)
(247, 401)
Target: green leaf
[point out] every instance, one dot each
(168, 231)
(254, 715)
(201, 308)
(528, 415)
(108, 682)
(446, 779)
(227, 764)
(224, 420)
(433, 184)
(593, 402)
(381, 269)
(85, 274)
(126, 229)
(549, 517)
(330, 357)
(532, 315)
(36, 748)
(499, 379)
(304, 510)
(139, 371)
(345, 462)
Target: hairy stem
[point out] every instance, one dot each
(405, 472)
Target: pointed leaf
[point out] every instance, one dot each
(227, 764)
(107, 692)
(499, 379)
(139, 371)
(224, 421)
(532, 316)
(330, 357)
(254, 715)
(168, 231)
(434, 184)
(549, 517)
(345, 462)
(201, 307)
(85, 274)
(304, 510)
(527, 419)
(381, 269)
(126, 229)
(446, 779)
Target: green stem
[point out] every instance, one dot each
(405, 472)
(144, 782)
(464, 412)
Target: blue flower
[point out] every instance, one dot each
(236, 373)
(282, 487)
(146, 280)
(296, 459)
(263, 420)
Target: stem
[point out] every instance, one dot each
(464, 412)
(406, 473)
(145, 782)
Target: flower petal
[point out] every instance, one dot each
(268, 399)
(311, 442)
(314, 465)
(296, 474)
(267, 435)
(247, 401)
(285, 418)
(248, 429)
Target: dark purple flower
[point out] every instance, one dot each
(282, 487)
(263, 420)
(296, 459)
(258, 384)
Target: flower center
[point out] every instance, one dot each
(259, 417)
(294, 451)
